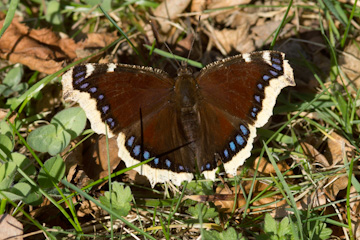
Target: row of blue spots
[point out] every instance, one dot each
(80, 76)
(85, 85)
(240, 140)
(273, 73)
(110, 121)
(168, 163)
(146, 155)
(276, 63)
(266, 77)
(105, 109)
(137, 150)
(130, 141)
(244, 130)
(226, 153)
(93, 89)
(206, 166)
(254, 112)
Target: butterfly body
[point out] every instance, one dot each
(186, 124)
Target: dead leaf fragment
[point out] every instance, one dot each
(236, 39)
(168, 10)
(37, 49)
(10, 228)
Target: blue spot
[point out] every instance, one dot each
(202, 168)
(277, 67)
(255, 109)
(244, 130)
(146, 155)
(85, 85)
(130, 141)
(168, 163)
(208, 166)
(136, 150)
(273, 73)
(111, 122)
(276, 60)
(257, 98)
(260, 86)
(105, 109)
(226, 153)
(93, 90)
(101, 97)
(156, 161)
(181, 168)
(232, 146)
(79, 74)
(266, 77)
(253, 114)
(79, 80)
(240, 140)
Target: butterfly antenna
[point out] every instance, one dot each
(193, 41)
(154, 28)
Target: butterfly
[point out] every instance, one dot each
(185, 124)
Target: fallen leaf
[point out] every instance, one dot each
(10, 228)
(169, 10)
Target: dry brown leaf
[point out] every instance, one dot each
(236, 39)
(88, 207)
(266, 167)
(336, 185)
(350, 64)
(262, 33)
(198, 5)
(314, 155)
(168, 10)
(42, 49)
(95, 162)
(37, 49)
(336, 148)
(10, 228)
(317, 198)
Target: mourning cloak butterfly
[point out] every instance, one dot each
(186, 124)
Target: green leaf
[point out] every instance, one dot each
(229, 234)
(23, 163)
(206, 212)
(54, 138)
(14, 76)
(53, 14)
(284, 227)
(47, 139)
(71, 119)
(6, 129)
(18, 192)
(56, 168)
(105, 4)
(120, 199)
(7, 171)
(34, 198)
(270, 225)
(6, 146)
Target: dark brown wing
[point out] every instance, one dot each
(238, 95)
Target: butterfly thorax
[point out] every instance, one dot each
(185, 88)
(186, 101)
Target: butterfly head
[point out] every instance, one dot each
(184, 70)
